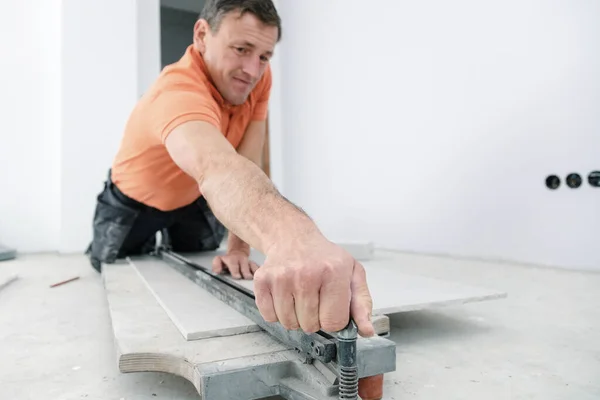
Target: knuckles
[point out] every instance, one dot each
(261, 278)
(291, 326)
(305, 278)
(334, 325)
(311, 328)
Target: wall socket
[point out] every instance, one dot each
(594, 179)
(573, 180)
(552, 182)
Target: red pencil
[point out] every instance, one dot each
(63, 282)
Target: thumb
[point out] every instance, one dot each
(361, 304)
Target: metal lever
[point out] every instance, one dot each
(346, 360)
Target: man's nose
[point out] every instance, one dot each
(252, 67)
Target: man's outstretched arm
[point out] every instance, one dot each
(236, 260)
(242, 197)
(306, 281)
(251, 147)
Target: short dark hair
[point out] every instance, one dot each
(214, 11)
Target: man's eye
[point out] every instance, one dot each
(240, 50)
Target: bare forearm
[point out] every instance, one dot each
(242, 197)
(245, 200)
(251, 147)
(234, 243)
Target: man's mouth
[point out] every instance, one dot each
(243, 81)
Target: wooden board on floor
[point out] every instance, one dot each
(258, 365)
(146, 339)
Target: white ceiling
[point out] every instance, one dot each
(187, 5)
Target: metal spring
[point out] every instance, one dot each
(348, 383)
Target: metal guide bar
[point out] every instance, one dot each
(314, 346)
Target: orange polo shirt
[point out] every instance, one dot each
(143, 169)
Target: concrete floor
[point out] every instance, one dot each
(542, 342)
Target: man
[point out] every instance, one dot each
(190, 160)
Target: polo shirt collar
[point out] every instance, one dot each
(198, 61)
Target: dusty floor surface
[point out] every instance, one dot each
(542, 342)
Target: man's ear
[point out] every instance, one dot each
(201, 31)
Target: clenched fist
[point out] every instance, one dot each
(313, 284)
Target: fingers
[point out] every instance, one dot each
(283, 300)
(274, 298)
(264, 300)
(253, 267)
(285, 309)
(361, 305)
(238, 266)
(245, 268)
(217, 265)
(311, 297)
(334, 303)
(306, 299)
(233, 265)
(222, 263)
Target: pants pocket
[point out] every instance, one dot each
(196, 229)
(215, 232)
(112, 223)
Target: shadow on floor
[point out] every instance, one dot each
(427, 325)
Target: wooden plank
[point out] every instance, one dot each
(245, 366)
(146, 339)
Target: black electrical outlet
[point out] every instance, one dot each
(594, 178)
(552, 182)
(574, 180)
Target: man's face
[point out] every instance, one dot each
(237, 54)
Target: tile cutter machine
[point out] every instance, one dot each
(357, 363)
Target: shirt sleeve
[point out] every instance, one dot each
(262, 104)
(169, 109)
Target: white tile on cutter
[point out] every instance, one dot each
(392, 290)
(196, 313)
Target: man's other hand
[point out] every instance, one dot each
(237, 263)
(313, 284)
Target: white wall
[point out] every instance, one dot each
(513, 85)
(148, 42)
(30, 136)
(430, 126)
(277, 133)
(70, 82)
